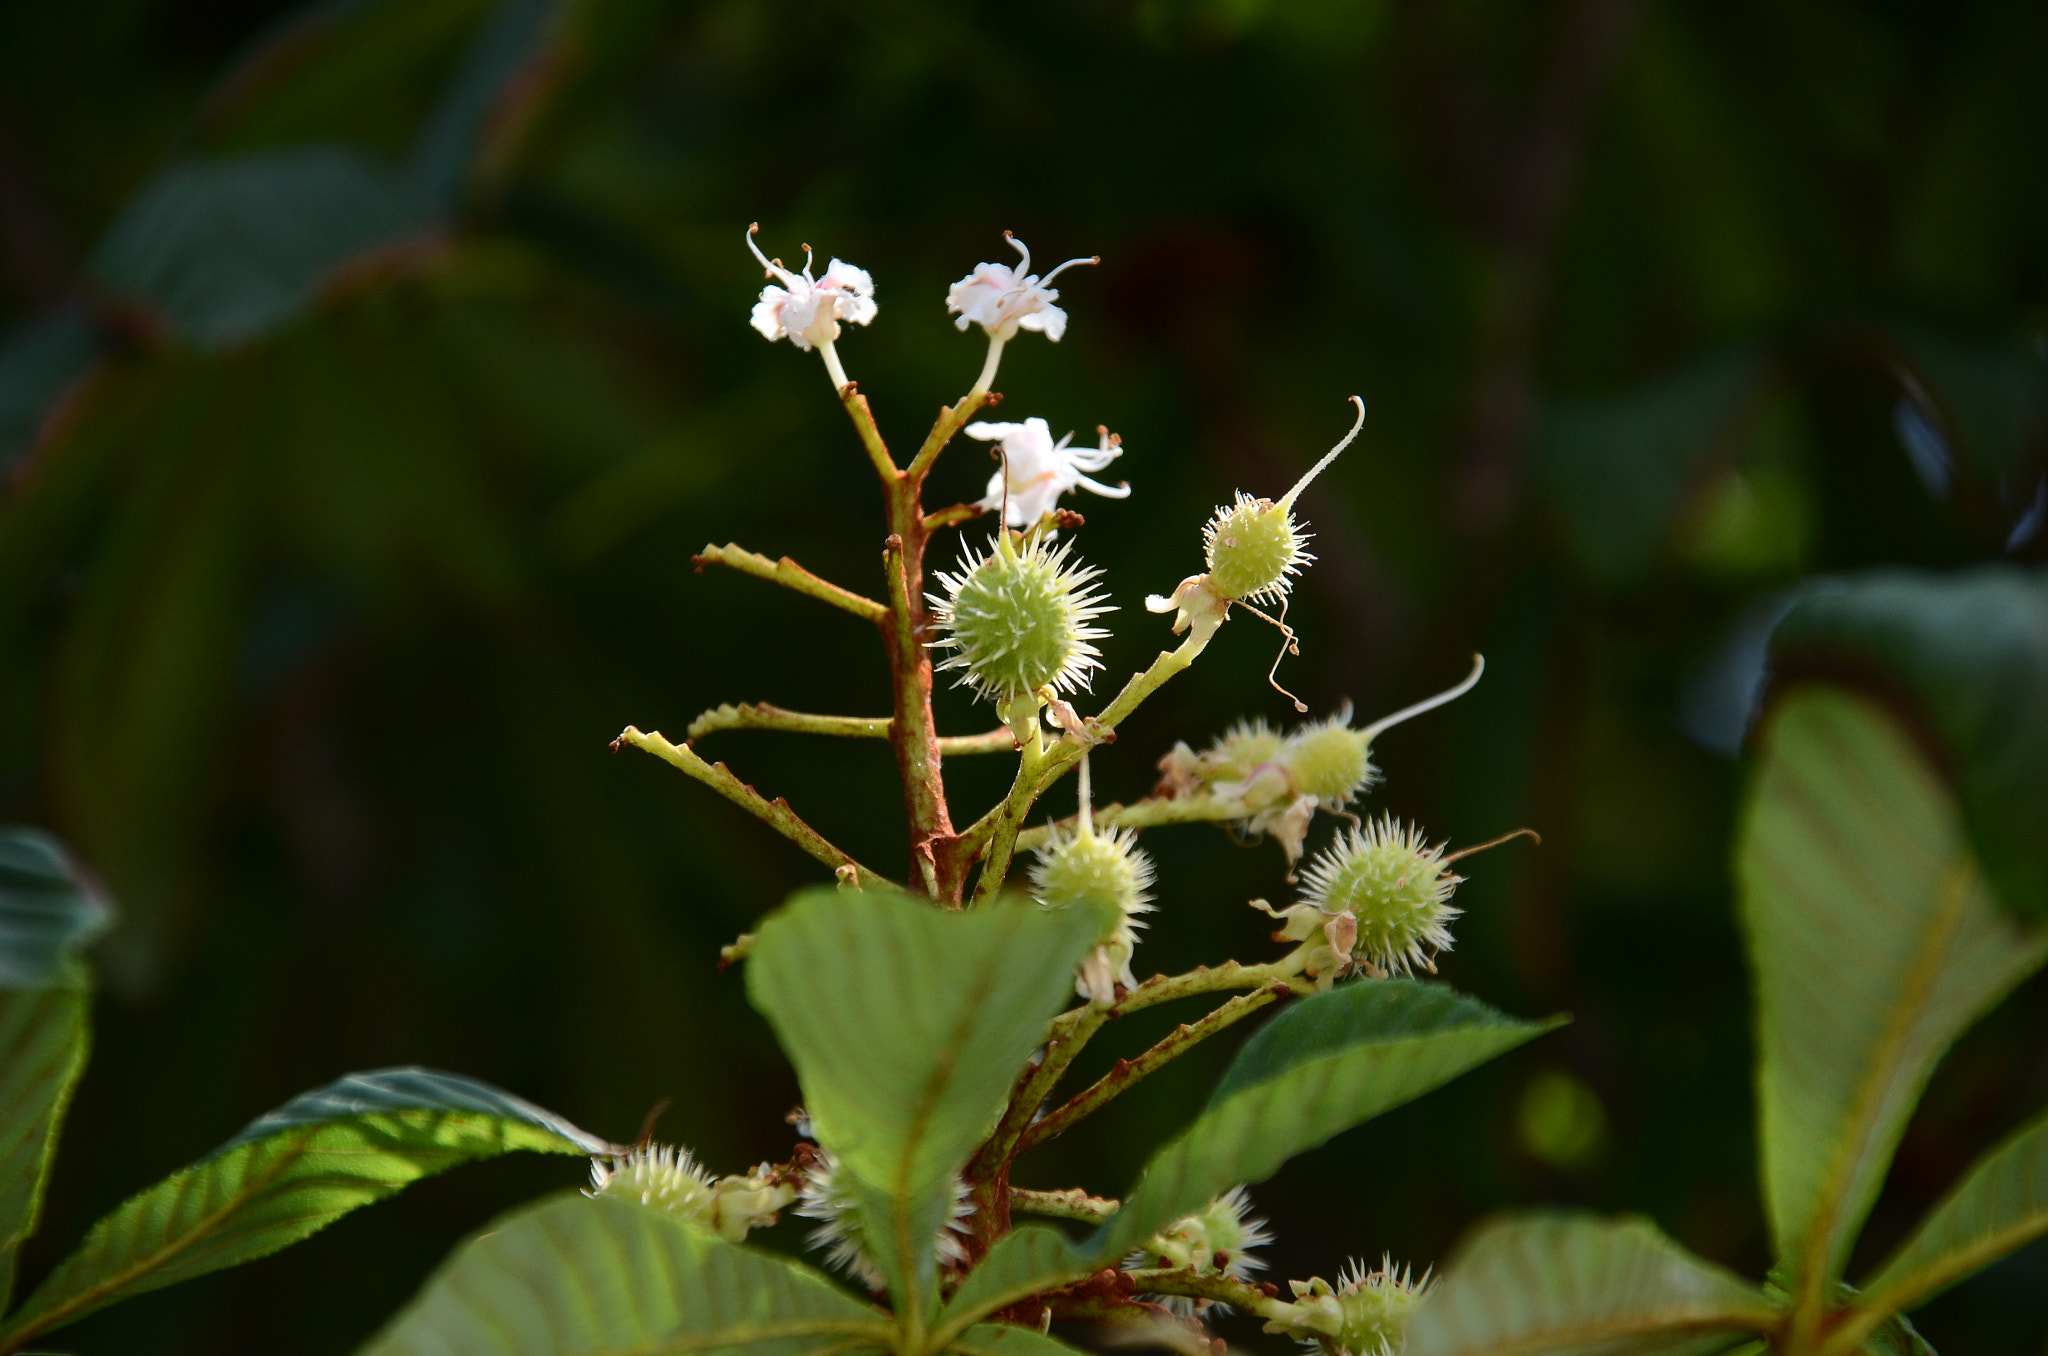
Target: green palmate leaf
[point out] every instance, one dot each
(908, 1026)
(42, 1052)
(1025, 1261)
(47, 913)
(576, 1277)
(1875, 942)
(1325, 1064)
(2000, 1204)
(289, 1174)
(1971, 649)
(1578, 1285)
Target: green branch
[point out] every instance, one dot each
(790, 575)
(762, 716)
(1126, 1073)
(1072, 1203)
(776, 813)
(1148, 813)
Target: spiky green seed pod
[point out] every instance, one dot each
(1018, 619)
(1223, 1229)
(1365, 1314)
(659, 1176)
(1243, 751)
(1254, 546)
(1254, 549)
(1087, 868)
(1393, 889)
(666, 1178)
(1329, 760)
(1093, 869)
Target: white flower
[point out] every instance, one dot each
(1003, 300)
(806, 310)
(1041, 470)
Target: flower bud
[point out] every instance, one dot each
(1386, 894)
(1018, 619)
(1365, 1314)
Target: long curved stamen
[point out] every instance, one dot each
(1121, 490)
(1021, 248)
(774, 270)
(1047, 279)
(1386, 723)
(1287, 500)
(809, 259)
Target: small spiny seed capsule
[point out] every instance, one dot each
(1253, 550)
(1086, 868)
(1390, 886)
(1093, 869)
(1254, 546)
(829, 1199)
(1330, 761)
(1365, 1314)
(659, 1176)
(1218, 1239)
(1245, 749)
(1017, 619)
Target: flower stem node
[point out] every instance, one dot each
(1216, 1240)
(1018, 619)
(1365, 1313)
(1380, 899)
(666, 1178)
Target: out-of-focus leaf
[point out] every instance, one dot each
(1875, 942)
(908, 1026)
(223, 251)
(2001, 1204)
(505, 63)
(1325, 1064)
(578, 1277)
(1028, 1259)
(48, 911)
(1578, 1285)
(1617, 468)
(38, 363)
(1005, 1339)
(289, 1174)
(1971, 652)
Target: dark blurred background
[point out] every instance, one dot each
(372, 370)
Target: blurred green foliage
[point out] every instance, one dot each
(373, 369)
